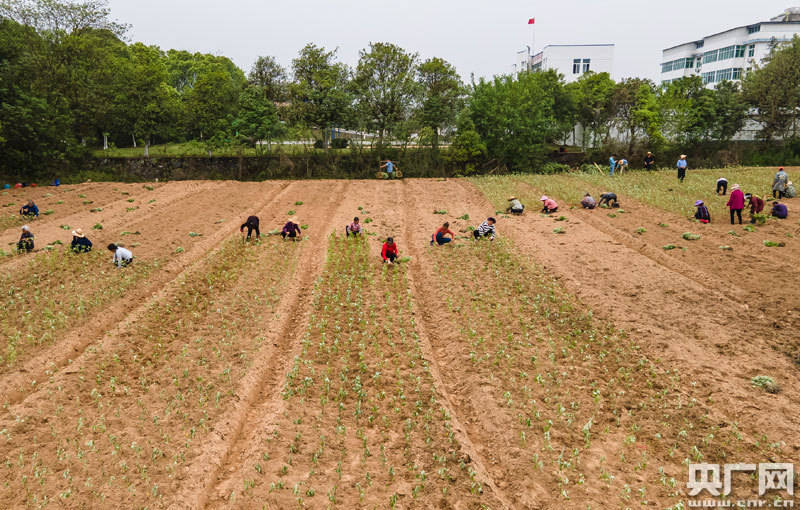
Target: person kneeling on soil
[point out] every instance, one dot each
(291, 229)
(439, 235)
(353, 229)
(702, 213)
(756, 205)
(122, 256)
(790, 191)
(515, 206)
(608, 199)
(485, 229)
(251, 224)
(25, 243)
(80, 243)
(779, 210)
(29, 209)
(389, 251)
(588, 202)
(550, 205)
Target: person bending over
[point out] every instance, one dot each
(80, 243)
(440, 236)
(252, 225)
(291, 229)
(722, 186)
(608, 199)
(588, 202)
(389, 251)
(485, 229)
(549, 205)
(515, 206)
(122, 256)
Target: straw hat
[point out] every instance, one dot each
(683, 156)
(512, 197)
(78, 233)
(699, 202)
(735, 186)
(26, 228)
(544, 197)
(294, 219)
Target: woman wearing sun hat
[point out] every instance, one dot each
(291, 229)
(702, 213)
(515, 206)
(80, 243)
(550, 205)
(682, 164)
(25, 243)
(736, 203)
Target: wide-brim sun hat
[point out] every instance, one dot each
(735, 186)
(683, 155)
(293, 219)
(77, 232)
(544, 197)
(699, 202)
(512, 197)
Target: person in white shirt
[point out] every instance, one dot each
(122, 256)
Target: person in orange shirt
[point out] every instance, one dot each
(389, 251)
(440, 236)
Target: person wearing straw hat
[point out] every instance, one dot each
(649, 161)
(549, 205)
(291, 229)
(756, 205)
(702, 214)
(790, 191)
(682, 165)
(80, 243)
(515, 206)
(736, 203)
(25, 243)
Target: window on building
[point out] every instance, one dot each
(751, 50)
(724, 74)
(576, 66)
(710, 56)
(708, 77)
(737, 74)
(739, 51)
(699, 44)
(666, 67)
(689, 62)
(587, 64)
(753, 29)
(726, 53)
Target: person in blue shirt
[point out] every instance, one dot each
(389, 166)
(29, 209)
(612, 164)
(682, 164)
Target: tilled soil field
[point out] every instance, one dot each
(571, 363)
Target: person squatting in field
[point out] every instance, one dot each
(485, 229)
(588, 202)
(515, 206)
(291, 229)
(252, 225)
(736, 203)
(608, 199)
(389, 165)
(779, 210)
(353, 229)
(649, 161)
(756, 205)
(29, 209)
(722, 186)
(790, 191)
(80, 243)
(702, 213)
(439, 237)
(25, 243)
(682, 165)
(389, 251)
(549, 205)
(122, 256)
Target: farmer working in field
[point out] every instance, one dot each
(291, 229)
(515, 206)
(649, 161)
(389, 251)
(252, 225)
(25, 243)
(608, 199)
(702, 213)
(440, 236)
(756, 206)
(549, 205)
(722, 186)
(779, 210)
(779, 184)
(736, 203)
(29, 209)
(790, 191)
(122, 256)
(588, 202)
(485, 229)
(612, 164)
(80, 243)
(682, 165)
(353, 229)
(389, 166)
(622, 165)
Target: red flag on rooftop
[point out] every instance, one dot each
(531, 21)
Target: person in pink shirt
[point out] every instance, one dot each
(353, 229)
(736, 203)
(550, 205)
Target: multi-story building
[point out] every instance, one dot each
(728, 55)
(571, 60)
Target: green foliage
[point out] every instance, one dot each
(766, 383)
(690, 237)
(441, 92)
(773, 244)
(553, 168)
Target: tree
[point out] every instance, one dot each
(270, 77)
(385, 86)
(730, 111)
(774, 91)
(467, 147)
(687, 111)
(593, 93)
(213, 98)
(634, 109)
(441, 91)
(258, 118)
(58, 19)
(319, 92)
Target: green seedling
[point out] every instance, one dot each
(299, 202)
(749, 228)
(179, 249)
(773, 244)
(690, 237)
(641, 230)
(669, 246)
(464, 217)
(152, 201)
(48, 212)
(304, 227)
(291, 213)
(612, 215)
(439, 211)
(561, 218)
(96, 209)
(131, 200)
(194, 234)
(766, 383)
(368, 220)
(559, 230)
(66, 227)
(733, 233)
(149, 188)
(97, 226)
(726, 248)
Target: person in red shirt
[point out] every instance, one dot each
(756, 205)
(389, 251)
(736, 203)
(439, 236)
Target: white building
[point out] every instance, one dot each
(571, 60)
(728, 55)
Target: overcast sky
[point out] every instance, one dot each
(477, 36)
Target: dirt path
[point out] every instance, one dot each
(681, 318)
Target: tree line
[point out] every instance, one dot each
(71, 82)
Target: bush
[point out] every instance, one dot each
(553, 168)
(339, 143)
